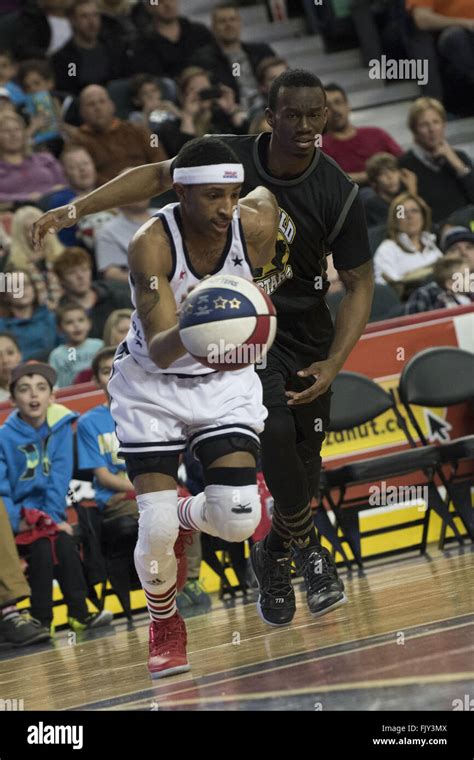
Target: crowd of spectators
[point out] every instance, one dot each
(90, 89)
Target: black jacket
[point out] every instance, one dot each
(154, 54)
(115, 54)
(214, 60)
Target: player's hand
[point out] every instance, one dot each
(324, 372)
(53, 221)
(66, 528)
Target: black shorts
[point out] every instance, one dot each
(279, 376)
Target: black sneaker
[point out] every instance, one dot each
(22, 630)
(324, 588)
(276, 603)
(94, 620)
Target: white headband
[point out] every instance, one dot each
(213, 173)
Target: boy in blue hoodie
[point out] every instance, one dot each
(36, 464)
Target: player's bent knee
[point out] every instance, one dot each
(158, 524)
(234, 511)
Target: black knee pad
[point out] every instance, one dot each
(140, 464)
(208, 451)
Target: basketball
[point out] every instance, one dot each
(227, 322)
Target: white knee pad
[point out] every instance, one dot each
(233, 511)
(158, 528)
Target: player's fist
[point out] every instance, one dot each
(53, 221)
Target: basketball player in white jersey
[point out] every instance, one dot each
(163, 400)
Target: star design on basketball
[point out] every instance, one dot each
(182, 274)
(237, 261)
(235, 303)
(220, 302)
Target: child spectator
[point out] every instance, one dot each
(37, 80)
(77, 353)
(117, 327)
(32, 324)
(10, 357)
(97, 447)
(387, 180)
(147, 97)
(36, 465)
(74, 270)
(410, 246)
(8, 72)
(452, 277)
(38, 261)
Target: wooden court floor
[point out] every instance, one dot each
(404, 641)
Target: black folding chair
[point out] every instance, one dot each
(357, 400)
(436, 377)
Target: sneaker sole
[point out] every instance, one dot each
(170, 671)
(37, 640)
(330, 607)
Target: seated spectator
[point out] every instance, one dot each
(24, 176)
(113, 144)
(352, 146)
(387, 180)
(95, 54)
(113, 239)
(97, 447)
(231, 61)
(117, 327)
(10, 357)
(462, 217)
(78, 350)
(452, 21)
(449, 287)
(147, 97)
(259, 124)
(167, 43)
(81, 178)
(267, 71)
(8, 72)
(39, 262)
(42, 106)
(39, 431)
(17, 629)
(120, 10)
(410, 247)
(458, 241)
(74, 270)
(32, 324)
(204, 110)
(45, 28)
(445, 176)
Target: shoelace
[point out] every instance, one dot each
(279, 582)
(317, 579)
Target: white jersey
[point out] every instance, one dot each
(234, 260)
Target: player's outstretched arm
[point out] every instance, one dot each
(132, 186)
(149, 260)
(260, 215)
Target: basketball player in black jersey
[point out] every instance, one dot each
(320, 214)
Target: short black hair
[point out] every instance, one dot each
(39, 65)
(292, 78)
(108, 352)
(334, 87)
(137, 82)
(204, 151)
(7, 53)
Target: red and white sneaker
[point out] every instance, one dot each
(184, 538)
(167, 647)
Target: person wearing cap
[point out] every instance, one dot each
(452, 283)
(36, 465)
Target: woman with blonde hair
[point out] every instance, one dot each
(24, 176)
(445, 176)
(116, 327)
(410, 247)
(38, 261)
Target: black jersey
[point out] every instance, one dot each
(320, 213)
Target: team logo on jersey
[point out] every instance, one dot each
(272, 275)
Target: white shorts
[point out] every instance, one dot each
(163, 413)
